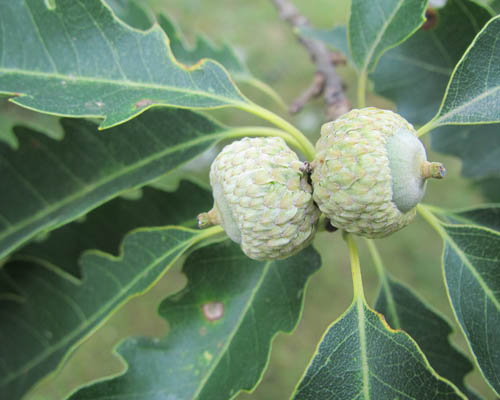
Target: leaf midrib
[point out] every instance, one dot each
(378, 38)
(441, 120)
(90, 188)
(238, 325)
(88, 322)
(119, 82)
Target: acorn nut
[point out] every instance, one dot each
(262, 198)
(370, 172)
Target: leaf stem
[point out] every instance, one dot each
(362, 90)
(384, 281)
(262, 131)
(355, 267)
(429, 126)
(305, 147)
(433, 221)
(208, 233)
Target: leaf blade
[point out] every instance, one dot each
(339, 370)
(107, 71)
(474, 88)
(245, 288)
(66, 179)
(81, 306)
(374, 30)
(404, 310)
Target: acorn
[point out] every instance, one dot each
(370, 172)
(262, 198)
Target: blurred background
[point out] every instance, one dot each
(272, 53)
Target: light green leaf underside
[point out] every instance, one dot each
(214, 358)
(57, 312)
(62, 180)
(496, 6)
(104, 228)
(79, 60)
(404, 310)
(378, 25)
(472, 270)
(360, 357)
(12, 115)
(473, 94)
(414, 74)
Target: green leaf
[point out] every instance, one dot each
(59, 181)
(12, 115)
(471, 260)
(222, 324)
(104, 227)
(472, 96)
(404, 310)
(378, 25)
(361, 357)
(490, 188)
(414, 75)
(58, 311)
(204, 48)
(477, 146)
(132, 13)
(78, 60)
(336, 37)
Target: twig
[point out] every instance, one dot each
(326, 81)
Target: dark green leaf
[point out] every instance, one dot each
(58, 311)
(336, 37)
(487, 216)
(404, 310)
(59, 181)
(132, 13)
(495, 5)
(472, 270)
(79, 60)
(12, 115)
(478, 146)
(378, 25)
(104, 227)
(472, 96)
(361, 357)
(222, 324)
(414, 74)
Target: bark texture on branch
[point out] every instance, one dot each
(326, 80)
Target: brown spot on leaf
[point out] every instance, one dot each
(143, 103)
(213, 311)
(431, 18)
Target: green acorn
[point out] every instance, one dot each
(262, 198)
(370, 172)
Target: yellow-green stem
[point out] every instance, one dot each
(429, 126)
(208, 233)
(355, 267)
(262, 131)
(384, 281)
(362, 90)
(433, 221)
(305, 147)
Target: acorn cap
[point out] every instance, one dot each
(370, 172)
(262, 198)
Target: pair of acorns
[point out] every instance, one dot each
(368, 175)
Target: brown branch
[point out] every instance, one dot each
(326, 80)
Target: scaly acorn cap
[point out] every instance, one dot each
(262, 198)
(370, 172)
